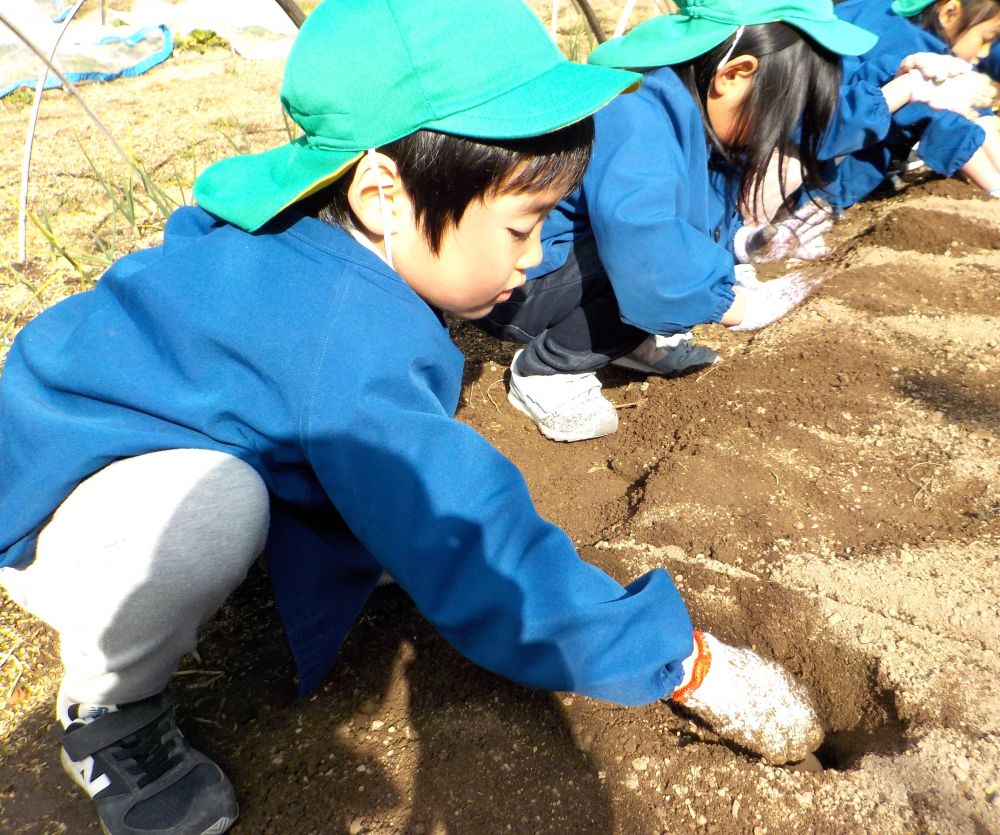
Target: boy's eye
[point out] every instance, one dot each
(520, 236)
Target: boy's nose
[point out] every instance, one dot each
(532, 255)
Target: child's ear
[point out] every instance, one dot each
(364, 198)
(949, 13)
(735, 75)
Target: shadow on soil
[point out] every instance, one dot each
(974, 408)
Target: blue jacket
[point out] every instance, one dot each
(991, 64)
(662, 214)
(861, 119)
(300, 352)
(947, 140)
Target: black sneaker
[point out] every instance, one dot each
(143, 775)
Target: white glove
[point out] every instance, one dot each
(963, 93)
(799, 235)
(749, 700)
(768, 301)
(995, 192)
(934, 66)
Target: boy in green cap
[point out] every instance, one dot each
(278, 377)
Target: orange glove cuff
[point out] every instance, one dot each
(701, 664)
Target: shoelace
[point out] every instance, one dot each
(152, 755)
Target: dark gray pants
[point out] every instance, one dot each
(569, 319)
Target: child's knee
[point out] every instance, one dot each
(187, 505)
(224, 512)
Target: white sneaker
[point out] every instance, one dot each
(914, 162)
(565, 407)
(668, 355)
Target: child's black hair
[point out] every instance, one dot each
(443, 174)
(791, 101)
(973, 13)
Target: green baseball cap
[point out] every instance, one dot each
(363, 73)
(701, 25)
(910, 8)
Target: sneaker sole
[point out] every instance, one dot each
(635, 365)
(217, 828)
(552, 434)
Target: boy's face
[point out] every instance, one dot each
(482, 258)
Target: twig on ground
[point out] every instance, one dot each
(923, 485)
(200, 673)
(10, 653)
(708, 371)
(9, 656)
(489, 394)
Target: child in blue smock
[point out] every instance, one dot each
(278, 377)
(950, 142)
(644, 249)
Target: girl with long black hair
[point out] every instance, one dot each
(644, 250)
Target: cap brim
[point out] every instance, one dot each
(248, 190)
(662, 41)
(672, 39)
(559, 97)
(836, 35)
(910, 8)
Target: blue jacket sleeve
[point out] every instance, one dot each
(948, 140)
(648, 196)
(452, 521)
(862, 118)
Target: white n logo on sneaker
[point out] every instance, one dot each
(83, 774)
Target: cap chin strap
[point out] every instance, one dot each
(383, 205)
(732, 49)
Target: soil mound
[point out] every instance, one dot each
(931, 231)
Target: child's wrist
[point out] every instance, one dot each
(898, 92)
(734, 315)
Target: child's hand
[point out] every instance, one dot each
(750, 701)
(767, 301)
(933, 66)
(799, 235)
(950, 84)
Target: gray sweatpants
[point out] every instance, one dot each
(135, 559)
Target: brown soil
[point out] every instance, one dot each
(927, 230)
(827, 494)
